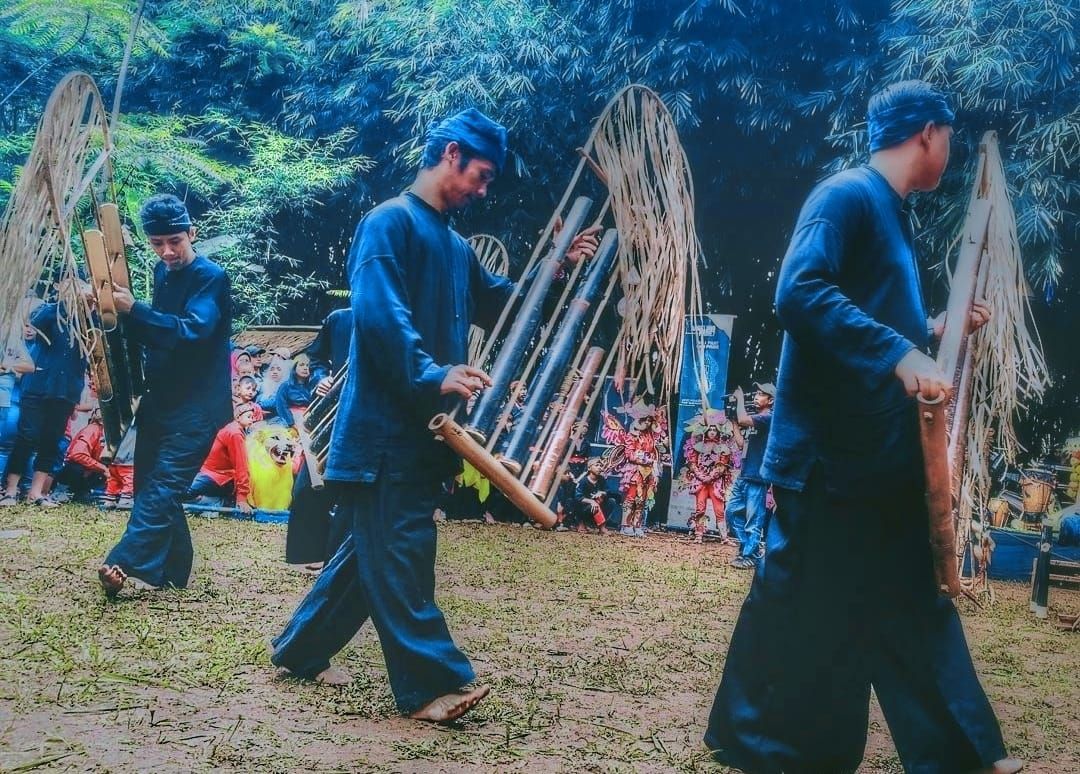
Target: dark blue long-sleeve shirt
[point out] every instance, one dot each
(185, 332)
(850, 301)
(330, 349)
(416, 287)
(292, 393)
(59, 366)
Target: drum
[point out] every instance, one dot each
(999, 511)
(1037, 491)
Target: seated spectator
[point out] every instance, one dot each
(294, 395)
(83, 469)
(590, 498)
(225, 472)
(120, 485)
(276, 374)
(241, 364)
(245, 390)
(564, 500)
(259, 360)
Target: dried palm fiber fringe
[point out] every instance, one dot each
(650, 198)
(1008, 366)
(493, 257)
(72, 148)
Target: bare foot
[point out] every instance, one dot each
(112, 579)
(1004, 766)
(448, 708)
(333, 675)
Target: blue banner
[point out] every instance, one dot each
(704, 453)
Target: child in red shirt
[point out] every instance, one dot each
(225, 471)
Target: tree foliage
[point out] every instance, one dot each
(256, 108)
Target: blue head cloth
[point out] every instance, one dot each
(902, 110)
(164, 214)
(476, 132)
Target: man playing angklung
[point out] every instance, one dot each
(844, 598)
(184, 331)
(416, 286)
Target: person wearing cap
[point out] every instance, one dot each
(844, 599)
(416, 287)
(184, 330)
(746, 499)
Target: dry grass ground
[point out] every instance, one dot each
(603, 653)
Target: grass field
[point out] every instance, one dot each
(604, 654)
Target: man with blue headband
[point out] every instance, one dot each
(844, 599)
(416, 286)
(184, 331)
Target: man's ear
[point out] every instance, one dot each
(927, 133)
(192, 233)
(452, 151)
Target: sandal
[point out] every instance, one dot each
(44, 502)
(7, 500)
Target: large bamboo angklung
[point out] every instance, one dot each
(942, 430)
(634, 164)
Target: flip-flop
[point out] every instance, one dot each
(8, 500)
(44, 502)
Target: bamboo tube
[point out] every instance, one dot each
(939, 500)
(446, 429)
(555, 364)
(564, 427)
(525, 324)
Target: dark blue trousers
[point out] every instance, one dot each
(169, 450)
(309, 522)
(385, 571)
(844, 601)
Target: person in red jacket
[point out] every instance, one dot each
(83, 469)
(224, 473)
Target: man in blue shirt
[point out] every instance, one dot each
(184, 332)
(844, 598)
(746, 500)
(416, 286)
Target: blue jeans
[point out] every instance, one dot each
(746, 511)
(385, 571)
(169, 450)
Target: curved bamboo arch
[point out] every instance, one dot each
(493, 256)
(72, 149)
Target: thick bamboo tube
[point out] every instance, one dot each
(558, 359)
(467, 448)
(939, 496)
(516, 344)
(564, 427)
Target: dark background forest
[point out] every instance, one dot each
(282, 122)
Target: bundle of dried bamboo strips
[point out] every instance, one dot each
(1009, 368)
